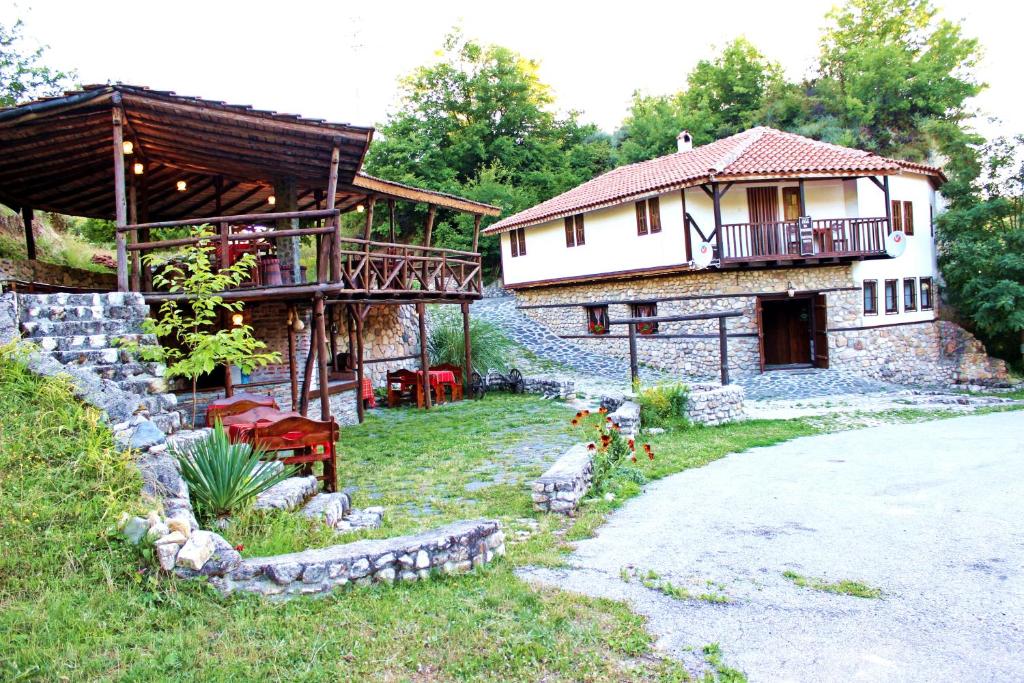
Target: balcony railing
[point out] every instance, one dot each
(783, 240)
(344, 264)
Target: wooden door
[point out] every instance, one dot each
(790, 203)
(763, 204)
(787, 332)
(760, 331)
(820, 331)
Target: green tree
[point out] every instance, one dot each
(479, 122)
(194, 346)
(981, 248)
(724, 95)
(22, 74)
(889, 68)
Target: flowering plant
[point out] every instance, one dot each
(609, 451)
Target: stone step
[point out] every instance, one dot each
(122, 371)
(31, 312)
(184, 438)
(92, 357)
(287, 495)
(143, 385)
(169, 422)
(85, 299)
(98, 342)
(66, 328)
(159, 403)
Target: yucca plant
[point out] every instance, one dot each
(446, 343)
(223, 476)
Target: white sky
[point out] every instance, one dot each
(341, 61)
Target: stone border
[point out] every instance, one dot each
(561, 488)
(451, 549)
(715, 404)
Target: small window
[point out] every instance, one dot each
(646, 311)
(648, 216)
(908, 218)
(926, 294)
(909, 294)
(597, 319)
(574, 234)
(870, 297)
(892, 303)
(517, 241)
(903, 216)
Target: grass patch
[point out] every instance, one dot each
(712, 594)
(844, 587)
(722, 673)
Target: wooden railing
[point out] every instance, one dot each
(829, 237)
(354, 265)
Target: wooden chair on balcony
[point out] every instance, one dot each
(456, 388)
(405, 386)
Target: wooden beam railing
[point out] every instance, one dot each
(829, 237)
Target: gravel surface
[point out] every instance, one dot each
(931, 513)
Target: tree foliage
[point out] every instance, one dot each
(480, 123)
(23, 76)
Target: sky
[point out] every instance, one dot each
(343, 61)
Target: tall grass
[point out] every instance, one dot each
(491, 349)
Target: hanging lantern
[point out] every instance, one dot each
(138, 168)
(237, 319)
(271, 200)
(360, 208)
(128, 147)
(182, 186)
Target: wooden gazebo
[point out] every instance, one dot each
(151, 160)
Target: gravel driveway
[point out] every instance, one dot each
(931, 513)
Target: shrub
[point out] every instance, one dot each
(490, 347)
(663, 403)
(223, 477)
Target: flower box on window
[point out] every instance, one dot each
(597, 319)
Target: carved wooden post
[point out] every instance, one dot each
(120, 207)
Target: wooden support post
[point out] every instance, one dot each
(307, 376)
(367, 233)
(467, 342)
(634, 364)
(27, 216)
(133, 236)
(120, 206)
(429, 229)
(293, 370)
(332, 196)
(476, 232)
(803, 199)
(716, 197)
(360, 370)
(888, 204)
(321, 352)
(332, 328)
(368, 225)
(723, 350)
(229, 385)
(391, 221)
(421, 312)
(143, 234)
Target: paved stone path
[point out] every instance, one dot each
(810, 383)
(929, 513)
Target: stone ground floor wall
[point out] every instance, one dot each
(932, 352)
(52, 274)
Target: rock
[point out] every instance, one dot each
(161, 477)
(174, 537)
(167, 555)
(146, 434)
(223, 560)
(330, 507)
(422, 559)
(288, 494)
(134, 529)
(197, 550)
(654, 430)
(386, 575)
(284, 573)
(158, 530)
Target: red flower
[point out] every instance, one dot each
(574, 422)
(650, 454)
(602, 410)
(633, 457)
(647, 447)
(617, 428)
(608, 419)
(579, 415)
(632, 445)
(239, 547)
(591, 446)
(585, 412)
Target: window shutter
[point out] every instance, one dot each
(654, 205)
(513, 240)
(897, 215)
(908, 217)
(581, 238)
(570, 239)
(522, 241)
(641, 218)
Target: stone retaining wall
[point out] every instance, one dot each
(627, 417)
(53, 274)
(545, 386)
(561, 488)
(451, 549)
(714, 404)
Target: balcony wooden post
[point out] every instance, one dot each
(467, 342)
(716, 198)
(356, 320)
(120, 205)
(133, 236)
(321, 353)
(367, 232)
(332, 192)
(293, 370)
(803, 198)
(27, 216)
(429, 229)
(421, 313)
(476, 232)
(888, 204)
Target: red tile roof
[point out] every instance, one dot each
(754, 153)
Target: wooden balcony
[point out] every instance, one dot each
(347, 268)
(828, 238)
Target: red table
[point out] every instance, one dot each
(438, 380)
(367, 392)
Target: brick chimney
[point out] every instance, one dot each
(684, 141)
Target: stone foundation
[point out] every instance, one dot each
(451, 549)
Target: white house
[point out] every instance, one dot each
(797, 231)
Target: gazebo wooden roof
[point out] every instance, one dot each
(57, 156)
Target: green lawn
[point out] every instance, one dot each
(76, 604)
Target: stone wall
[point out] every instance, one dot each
(53, 274)
(561, 488)
(451, 549)
(713, 404)
(938, 352)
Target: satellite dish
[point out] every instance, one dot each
(702, 257)
(896, 243)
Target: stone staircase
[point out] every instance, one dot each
(81, 333)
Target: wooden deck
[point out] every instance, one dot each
(830, 238)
